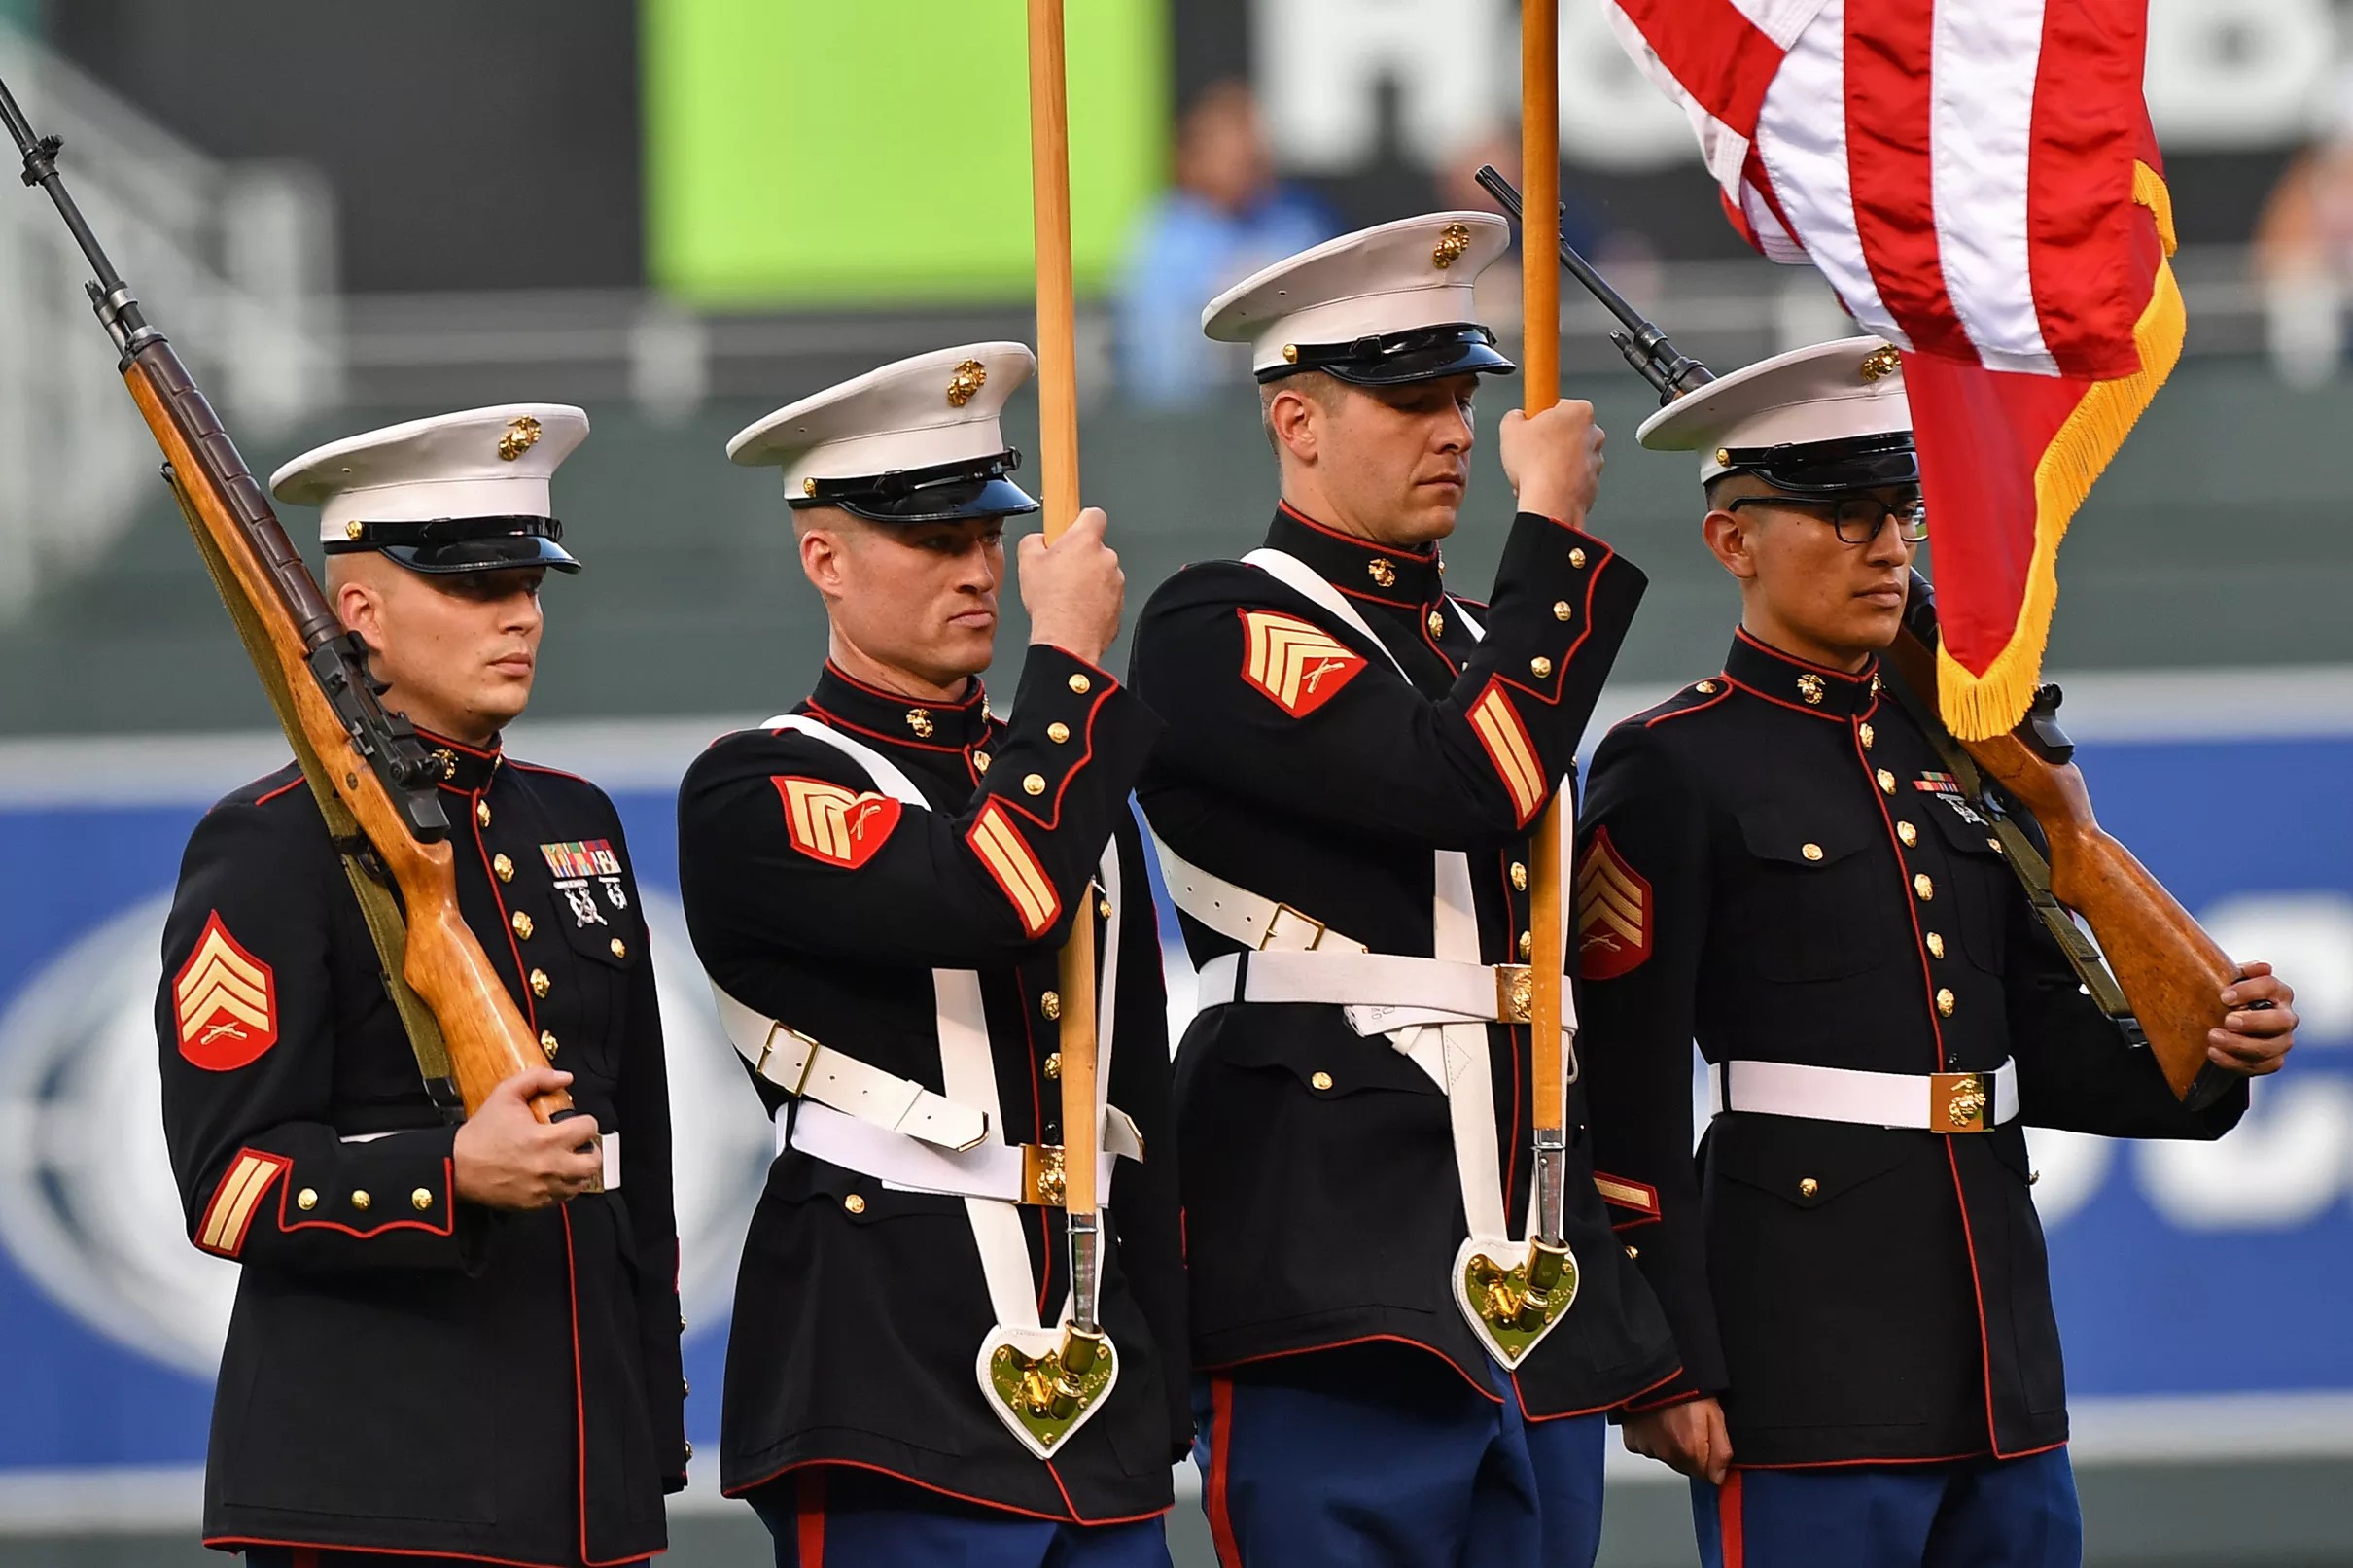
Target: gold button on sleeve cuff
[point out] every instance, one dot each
(1541, 666)
(1058, 732)
(360, 1200)
(421, 1200)
(307, 1199)
(1082, 685)
(1033, 784)
(1562, 609)
(1576, 556)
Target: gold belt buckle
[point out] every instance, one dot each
(1957, 1102)
(1283, 909)
(1515, 993)
(767, 1048)
(1041, 1177)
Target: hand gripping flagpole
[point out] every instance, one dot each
(1519, 1302)
(1049, 1396)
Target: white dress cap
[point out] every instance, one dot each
(933, 409)
(1829, 392)
(480, 463)
(1396, 277)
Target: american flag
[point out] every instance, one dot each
(1979, 182)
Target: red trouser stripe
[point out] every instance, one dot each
(809, 1513)
(1212, 1491)
(1728, 1520)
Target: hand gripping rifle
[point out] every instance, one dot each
(374, 782)
(2146, 964)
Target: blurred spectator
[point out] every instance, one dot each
(1226, 218)
(2304, 249)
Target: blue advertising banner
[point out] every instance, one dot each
(2181, 1272)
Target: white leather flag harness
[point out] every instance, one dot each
(894, 1130)
(1434, 1011)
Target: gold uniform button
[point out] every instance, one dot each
(1052, 1066)
(503, 867)
(1527, 943)
(1562, 609)
(1058, 732)
(1993, 844)
(1033, 784)
(682, 1325)
(1910, 834)
(1437, 624)
(1103, 907)
(421, 1200)
(1936, 945)
(1924, 886)
(1886, 782)
(307, 1199)
(1945, 1002)
(855, 1202)
(621, 949)
(1541, 666)
(547, 1043)
(1321, 1080)
(1520, 876)
(1050, 1004)
(980, 762)
(1705, 688)
(1811, 851)
(1576, 557)
(686, 1389)
(1632, 1253)
(481, 813)
(522, 925)
(1808, 1186)
(360, 1200)
(541, 985)
(1865, 734)
(1082, 685)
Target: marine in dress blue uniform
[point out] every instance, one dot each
(879, 882)
(1343, 802)
(1777, 863)
(412, 1374)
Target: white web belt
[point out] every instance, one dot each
(1935, 1102)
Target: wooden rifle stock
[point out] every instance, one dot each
(2170, 971)
(286, 621)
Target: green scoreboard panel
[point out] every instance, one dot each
(856, 152)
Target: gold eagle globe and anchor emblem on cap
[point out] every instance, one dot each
(1881, 363)
(1454, 241)
(970, 377)
(522, 434)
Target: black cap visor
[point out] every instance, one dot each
(1395, 358)
(944, 493)
(1830, 468)
(455, 544)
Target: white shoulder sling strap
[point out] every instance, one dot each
(1432, 1010)
(987, 1174)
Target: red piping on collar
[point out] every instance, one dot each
(1305, 521)
(959, 704)
(1856, 677)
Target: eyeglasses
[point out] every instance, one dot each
(1857, 519)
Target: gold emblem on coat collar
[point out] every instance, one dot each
(1881, 363)
(522, 434)
(1454, 241)
(448, 761)
(1809, 687)
(966, 384)
(1380, 572)
(920, 722)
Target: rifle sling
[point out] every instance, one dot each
(379, 905)
(2026, 864)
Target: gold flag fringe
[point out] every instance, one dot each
(1980, 707)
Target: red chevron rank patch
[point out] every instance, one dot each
(1613, 912)
(1301, 667)
(839, 826)
(225, 1001)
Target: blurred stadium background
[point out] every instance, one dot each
(681, 213)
